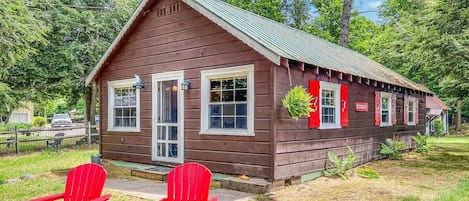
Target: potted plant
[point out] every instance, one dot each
(298, 102)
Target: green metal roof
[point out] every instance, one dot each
(294, 44)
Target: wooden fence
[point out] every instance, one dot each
(23, 141)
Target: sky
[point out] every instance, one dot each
(368, 5)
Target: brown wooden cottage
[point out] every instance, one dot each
(231, 118)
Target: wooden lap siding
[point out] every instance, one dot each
(300, 150)
(185, 40)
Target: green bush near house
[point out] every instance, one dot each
(439, 127)
(392, 149)
(422, 143)
(341, 165)
(39, 121)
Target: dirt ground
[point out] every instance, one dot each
(420, 176)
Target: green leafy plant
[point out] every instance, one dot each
(392, 148)
(341, 165)
(368, 173)
(298, 102)
(422, 143)
(439, 127)
(39, 121)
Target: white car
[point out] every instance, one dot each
(61, 120)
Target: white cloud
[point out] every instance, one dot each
(373, 5)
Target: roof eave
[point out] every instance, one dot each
(116, 42)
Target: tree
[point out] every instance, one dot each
(428, 41)
(345, 22)
(19, 31)
(268, 8)
(296, 12)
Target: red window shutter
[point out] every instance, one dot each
(406, 110)
(344, 104)
(416, 111)
(377, 108)
(314, 121)
(393, 112)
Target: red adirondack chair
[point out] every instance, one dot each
(84, 183)
(189, 182)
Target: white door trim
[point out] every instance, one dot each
(174, 75)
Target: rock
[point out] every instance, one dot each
(10, 181)
(27, 177)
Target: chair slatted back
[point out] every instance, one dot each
(189, 182)
(85, 182)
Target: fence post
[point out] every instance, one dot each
(17, 140)
(89, 133)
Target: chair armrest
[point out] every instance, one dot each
(164, 199)
(214, 199)
(102, 198)
(49, 197)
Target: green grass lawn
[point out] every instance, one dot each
(49, 169)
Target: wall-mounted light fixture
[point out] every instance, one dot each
(186, 85)
(139, 84)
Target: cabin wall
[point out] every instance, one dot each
(301, 150)
(186, 40)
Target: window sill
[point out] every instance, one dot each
(227, 132)
(130, 130)
(385, 125)
(330, 127)
(411, 124)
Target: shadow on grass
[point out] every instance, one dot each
(445, 158)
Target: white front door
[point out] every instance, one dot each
(168, 117)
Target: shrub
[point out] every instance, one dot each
(22, 126)
(422, 143)
(439, 127)
(392, 148)
(3, 127)
(341, 165)
(39, 121)
(298, 102)
(368, 173)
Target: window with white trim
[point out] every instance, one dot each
(227, 102)
(330, 105)
(123, 106)
(386, 109)
(411, 111)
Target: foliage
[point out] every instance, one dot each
(368, 173)
(268, 8)
(341, 165)
(439, 127)
(423, 146)
(39, 121)
(19, 30)
(392, 148)
(296, 12)
(298, 102)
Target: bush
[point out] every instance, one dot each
(368, 173)
(392, 149)
(439, 127)
(422, 143)
(341, 165)
(4, 127)
(20, 126)
(298, 102)
(39, 121)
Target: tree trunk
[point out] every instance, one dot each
(90, 104)
(344, 28)
(458, 115)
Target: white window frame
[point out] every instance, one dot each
(409, 109)
(336, 88)
(389, 97)
(119, 84)
(206, 75)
